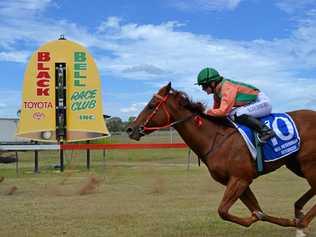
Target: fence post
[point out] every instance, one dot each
(17, 163)
(61, 157)
(36, 170)
(88, 157)
(189, 159)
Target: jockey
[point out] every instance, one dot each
(243, 103)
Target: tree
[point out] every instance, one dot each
(115, 124)
(131, 119)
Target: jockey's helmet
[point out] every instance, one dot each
(207, 75)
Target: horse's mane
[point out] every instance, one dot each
(199, 109)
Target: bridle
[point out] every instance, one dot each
(162, 103)
(168, 124)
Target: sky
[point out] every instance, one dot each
(139, 46)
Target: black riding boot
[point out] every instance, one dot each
(264, 132)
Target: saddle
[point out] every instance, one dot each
(285, 142)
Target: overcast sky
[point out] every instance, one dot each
(141, 45)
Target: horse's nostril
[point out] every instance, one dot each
(129, 130)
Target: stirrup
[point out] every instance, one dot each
(260, 139)
(263, 138)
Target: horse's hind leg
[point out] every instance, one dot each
(304, 222)
(308, 169)
(309, 216)
(300, 203)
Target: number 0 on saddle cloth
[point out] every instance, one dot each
(285, 143)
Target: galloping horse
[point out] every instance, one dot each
(223, 151)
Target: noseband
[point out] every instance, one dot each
(168, 124)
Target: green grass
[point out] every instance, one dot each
(141, 193)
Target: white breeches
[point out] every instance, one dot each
(259, 108)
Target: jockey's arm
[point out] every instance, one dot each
(227, 102)
(217, 102)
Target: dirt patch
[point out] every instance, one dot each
(90, 186)
(12, 190)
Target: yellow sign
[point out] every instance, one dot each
(83, 104)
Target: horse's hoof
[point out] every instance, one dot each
(300, 233)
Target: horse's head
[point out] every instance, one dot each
(167, 108)
(154, 116)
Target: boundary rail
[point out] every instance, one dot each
(122, 146)
(69, 146)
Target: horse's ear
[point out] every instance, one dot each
(168, 86)
(165, 90)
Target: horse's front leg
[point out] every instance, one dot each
(234, 190)
(249, 199)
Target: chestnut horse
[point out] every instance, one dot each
(223, 151)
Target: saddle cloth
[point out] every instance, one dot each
(286, 141)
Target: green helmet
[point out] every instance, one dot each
(207, 75)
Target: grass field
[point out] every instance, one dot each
(132, 193)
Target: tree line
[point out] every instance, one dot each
(116, 124)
